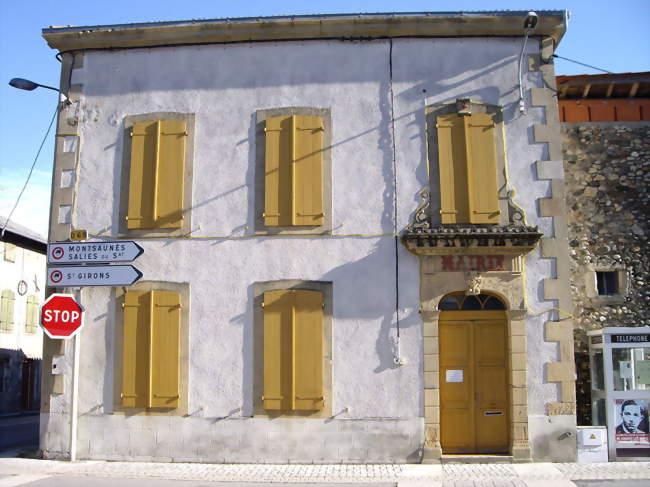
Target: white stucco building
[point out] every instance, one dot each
(295, 307)
(22, 287)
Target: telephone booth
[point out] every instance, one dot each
(620, 389)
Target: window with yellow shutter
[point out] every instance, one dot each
(157, 174)
(467, 150)
(294, 342)
(151, 349)
(7, 300)
(295, 162)
(31, 315)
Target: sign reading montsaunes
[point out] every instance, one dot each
(93, 252)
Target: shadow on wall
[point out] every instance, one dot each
(20, 382)
(365, 305)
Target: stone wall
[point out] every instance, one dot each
(608, 203)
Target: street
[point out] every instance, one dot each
(19, 431)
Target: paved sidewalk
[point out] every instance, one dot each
(12, 470)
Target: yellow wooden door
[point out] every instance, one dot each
(473, 382)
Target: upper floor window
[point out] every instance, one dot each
(157, 174)
(466, 145)
(9, 252)
(31, 314)
(7, 301)
(293, 172)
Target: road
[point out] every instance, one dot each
(19, 431)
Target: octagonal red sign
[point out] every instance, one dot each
(61, 316)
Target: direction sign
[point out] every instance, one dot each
(93, 252)
(92, 275)
(61, 316)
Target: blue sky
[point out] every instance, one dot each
(611, 35)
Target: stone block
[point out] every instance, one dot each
(431, 363)
(519, 414)
(550, 169)
(560, 371)
(520, 396)
(430, 329)
(518, 344)
(431, 380)
(431, 397)
(518, 361)
(518, 378)
(431, 414)
(430, 345)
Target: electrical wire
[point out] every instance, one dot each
(2, 234)
(582, 64)
(397, 359)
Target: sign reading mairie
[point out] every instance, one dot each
(472, 263)
(93, 252)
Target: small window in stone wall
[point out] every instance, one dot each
(607, 283)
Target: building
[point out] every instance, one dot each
(606, 135)
(22, 282)
(337, 267)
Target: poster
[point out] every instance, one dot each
(632, 421)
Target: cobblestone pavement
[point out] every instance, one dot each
(447, 475)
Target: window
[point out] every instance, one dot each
(7, 301)
(156, 175)
(31, 316)
(293, 350)
(607, 283)
(467, 164)
(9, 252)
(151, 349)
(293, 184)
(157, 171)
(467, 161)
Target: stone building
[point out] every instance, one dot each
(337, 266)
(22, 283)
(606, 136)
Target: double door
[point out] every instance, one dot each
(473, 382)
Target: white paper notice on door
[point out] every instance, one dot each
(454, 375)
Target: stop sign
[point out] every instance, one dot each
(61, 316)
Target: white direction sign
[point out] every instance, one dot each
(93, 252)
(92, 275)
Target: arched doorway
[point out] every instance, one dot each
(474, 402)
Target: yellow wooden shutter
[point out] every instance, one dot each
(7, 310)
(308, 350)
(156, 181)
(168, 197)
(136, 349)
(452, 163)
(482, 169)
(31, 315)
(278, 172)
(278, 311)
(308, 170)
(144, 137)
(9, 252)
(165, 349)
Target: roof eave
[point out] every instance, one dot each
(551, 24)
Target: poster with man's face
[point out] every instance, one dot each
(632, 421)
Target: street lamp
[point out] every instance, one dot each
(25, 84)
